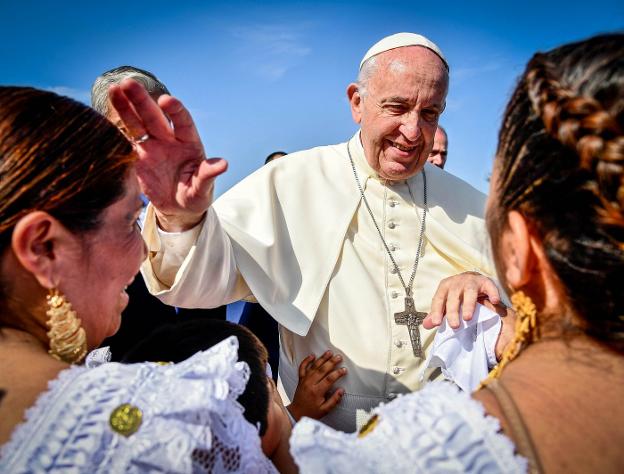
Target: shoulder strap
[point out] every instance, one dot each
(517, 426)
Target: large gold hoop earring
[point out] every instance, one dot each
(526, 331)
(68, 340)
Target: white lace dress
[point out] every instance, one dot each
(436, 430)
(116, 418)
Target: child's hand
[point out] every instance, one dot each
(316, 376)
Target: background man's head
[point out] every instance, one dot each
(99, 91)
(274, 156)
(439, 151)
(400, 93)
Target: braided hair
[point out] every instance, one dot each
(560, 162)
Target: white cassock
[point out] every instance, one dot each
(296, 236)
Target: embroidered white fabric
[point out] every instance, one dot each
(436, 430)
(97, 357)
(191, 421)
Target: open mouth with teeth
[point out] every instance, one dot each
(404, 152)
(403, 148)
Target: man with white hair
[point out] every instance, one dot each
(344, 245)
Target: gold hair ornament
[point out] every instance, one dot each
(68, 340)
(526, 331)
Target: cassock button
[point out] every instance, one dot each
(392, 247)
(394, 294)
(396, 370)
(391, 225)
(393, 203)
(393, 270)
(398, 343)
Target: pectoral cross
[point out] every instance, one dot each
(412, 319)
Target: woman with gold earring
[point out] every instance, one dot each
(556, 221)
(69, 247)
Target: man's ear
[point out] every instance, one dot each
(355, 100)
(518, 250)
(35, 242)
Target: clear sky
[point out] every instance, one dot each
(261, 76)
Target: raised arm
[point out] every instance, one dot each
(178, 179)
(173, 170)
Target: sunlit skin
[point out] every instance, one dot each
(398, 113)
(114, 118)
(103, 263)
(439, 151)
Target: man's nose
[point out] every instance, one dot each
(410, 128)
(435, 159)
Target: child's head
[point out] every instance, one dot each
(179, 341)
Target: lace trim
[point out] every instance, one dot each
(98, 357)
(22, 432)
(434, 430)
(187, 408)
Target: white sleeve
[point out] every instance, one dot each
(192, 269)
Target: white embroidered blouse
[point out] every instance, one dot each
(436, 430)
(178, 418)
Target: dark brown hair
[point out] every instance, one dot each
(58, 156)
(560, 162)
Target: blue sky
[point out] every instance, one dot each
(261, 76)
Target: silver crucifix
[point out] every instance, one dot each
(412, 319)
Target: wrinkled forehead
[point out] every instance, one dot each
(410, 72)
(413, 58)
(440, 137)
(413, 63)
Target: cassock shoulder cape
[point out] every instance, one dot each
(288, 220)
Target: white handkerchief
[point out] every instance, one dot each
(465, 354)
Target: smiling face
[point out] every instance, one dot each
(104, 263)
(398, 113)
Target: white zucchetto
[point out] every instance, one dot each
(400, 40)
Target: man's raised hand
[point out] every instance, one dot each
(173, 170)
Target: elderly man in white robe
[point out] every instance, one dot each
(344, 245)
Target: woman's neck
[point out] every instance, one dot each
(25, 370)
(14, 337)
(571, 348)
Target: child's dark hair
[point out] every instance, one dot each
(179, 341)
